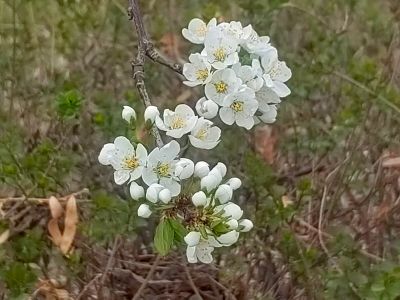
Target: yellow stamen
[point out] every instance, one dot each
(163, 170)
(220, 54)
(237, 106)
(201, 30)
(221, 87)
(201, 134)
(202, 74)
(177, 123)
(131, 163)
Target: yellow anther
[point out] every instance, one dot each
(221, 87)
(177, 123)
(201, 134)
(220, 54)
(237, 106)
(131, 163)
(202, 74)
(163, 170)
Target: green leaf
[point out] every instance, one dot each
(69, 103)
(164, 237)
(179, 230)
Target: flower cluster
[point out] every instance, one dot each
(243, 83)
(242, 76)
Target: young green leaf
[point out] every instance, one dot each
(164, 237)
(179, 230)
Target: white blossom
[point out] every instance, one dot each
(231, 210)
(210, 182)
(268, 116)
(220, 48)
(177, 123)
(247, 225)
(198, 71)
(202, 251)
(204, 135)
(235, 29)
(229, 238)
(224, 193)
(165, 196)
(206, 108)
(184, 168)
(161, 165)
(199, 199)
(221, 167)
(223, 83)
(192, 238)
(128, 113)
(276, 73)
(201, 169)
(144, 211)
(239, 108)
(250, 75)
(197, 30)
(136, 191)
(127, 161)
(256, 44)
(234, 183)
(151, 113)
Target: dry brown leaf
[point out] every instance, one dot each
(4, 236)
(169, 45)
(391, 162)
(265, 142)
(55, 208)
(71, 219)
(55, 232)
(286, 201)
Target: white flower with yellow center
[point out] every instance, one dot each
(268, 116)
(179, 122)
(164, 168)
(127, 161)
(239, 108)
(236, 30)
(255, 44)
(202, 251)
(198, 71)
(204, 135)
(197, 30)
(276, 73)
(220, 49)
(250, 75)
(223, 83)
(266, 98)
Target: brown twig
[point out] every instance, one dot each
(192, 284)
(84, 191)
(148, 277)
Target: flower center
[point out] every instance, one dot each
(178, 122)
(202, 74)
(201, 134)
(163, 169)
(237, 106)
(220, 54)
(221, 87)
(131, 163)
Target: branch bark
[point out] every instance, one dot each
(146, 49)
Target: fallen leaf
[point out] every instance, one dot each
(71, 219)
(286, 201)
(265, 142)
(4, 236)
(56, 209)
(55, 232)
(391, 162)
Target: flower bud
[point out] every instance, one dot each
(215, 172)
(206, 108)
(128, 113)
(199, 199)
(228, 238)
(153, 191)
(201, 169)
(224, 193)
(232, 210)
(151, 113)
(232, 224)
(136, 191)
(184, 168)
(221, 167)
(209, 182)
(144, 211)
(234, 183)
(247, 225)
(165, 195)
(192, 238)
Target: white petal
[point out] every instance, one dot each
(199, 199)
(165, 196)
(106, 154)
(229, 238)
(121, 176)
(227, 115)
(201, 169)
(244, 121)
(281, 89)
(232, 210)
(136, 191)
(191, 254)
(234, 183)
(247, 224)
(144, 211)
(192, 238)
(123, 145)
(169, 151)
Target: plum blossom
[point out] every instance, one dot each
(179, 122)
(128, 113)
(202, 251)
(204, 135)
(239, 108)
(198, 71)
(197, 30)
(250, 75)
(127, 161)
(206, 108)
(223, 83)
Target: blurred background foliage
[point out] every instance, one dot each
(325, 204)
